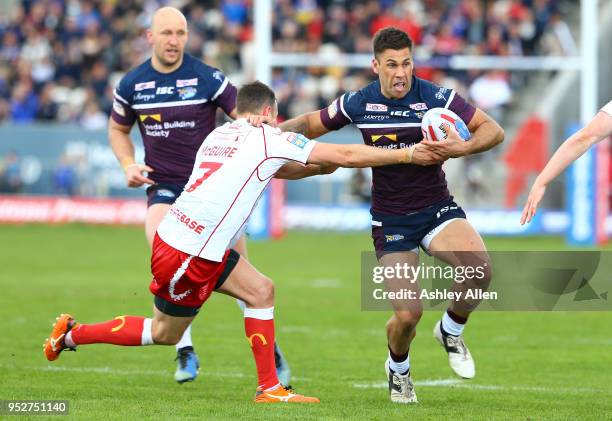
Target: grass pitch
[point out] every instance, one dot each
(530, 365)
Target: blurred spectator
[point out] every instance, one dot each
(47, 107)
(93, 118)
(490, 92)
(361, 185)
(10, 173)
(78, 44)
(10, 49)
(65, 178)
(24, 103)
(558, 39)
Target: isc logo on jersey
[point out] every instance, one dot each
(436, 122)
(165, 90)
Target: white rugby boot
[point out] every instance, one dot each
(401, 388)
(459, 356)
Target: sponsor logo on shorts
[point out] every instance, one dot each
(446, 209)
(376, 107)
(186, 82)
(419, 106)
(298, 140)
(393, 238)
(118, 108)
(142, 97)
(188, 92)
(165, 193)
(203, 292)
(218, 75)
(176, 297)
(144, 85)
(332, 110)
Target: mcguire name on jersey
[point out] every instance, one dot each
(396, 123)
(233, 166)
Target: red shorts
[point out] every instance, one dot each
(181, 279)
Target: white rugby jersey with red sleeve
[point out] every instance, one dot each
(232, 168)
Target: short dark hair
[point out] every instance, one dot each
(391, 38)
(252, 97)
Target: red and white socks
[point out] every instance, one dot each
(259, 329)
(122, 330)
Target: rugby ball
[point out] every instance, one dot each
(435, 121)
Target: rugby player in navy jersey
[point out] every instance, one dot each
(411, 205)
(173, 97)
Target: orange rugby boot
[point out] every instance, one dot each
(54, 345)
(282, 394)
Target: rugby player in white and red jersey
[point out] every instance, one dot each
(173, 98)
(192, 249)
(411, 204)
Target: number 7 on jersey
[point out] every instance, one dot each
(209, 168)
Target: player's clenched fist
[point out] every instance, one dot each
(134, 174)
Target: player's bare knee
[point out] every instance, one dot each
(264, 296)
(408, 319)
(483, 276)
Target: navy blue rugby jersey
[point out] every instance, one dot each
(174, 111)
(396, 123)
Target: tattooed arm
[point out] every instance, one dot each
(309, 124)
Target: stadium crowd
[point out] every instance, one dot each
(60, 59)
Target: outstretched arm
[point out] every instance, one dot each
(309, 124)
(296, 171)
(577, 144)
(358, 156)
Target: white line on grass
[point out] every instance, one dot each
(109, 370)
(456, 383)
(450, 383)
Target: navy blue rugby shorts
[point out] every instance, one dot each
(163, 193)
(393, 233)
